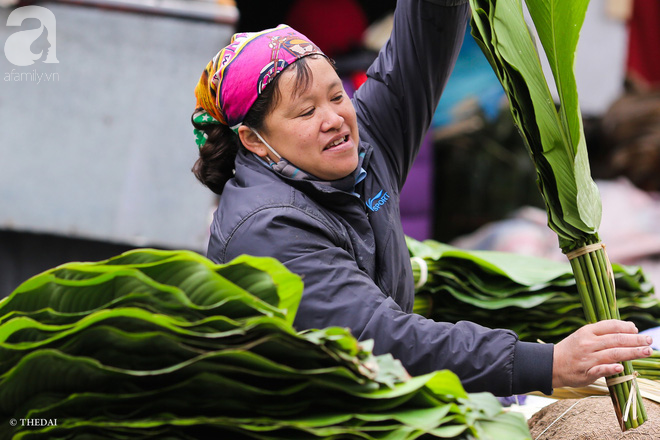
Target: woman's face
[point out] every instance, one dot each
(315, 130)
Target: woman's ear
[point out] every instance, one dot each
(251, 141)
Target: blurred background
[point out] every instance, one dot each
(96, 143)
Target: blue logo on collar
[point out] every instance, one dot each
(378, 200)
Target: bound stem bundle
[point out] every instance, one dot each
(555, 140)
(595, 283)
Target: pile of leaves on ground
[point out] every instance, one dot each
(535, 297)
(166, 344)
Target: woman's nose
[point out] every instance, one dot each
(332, 120)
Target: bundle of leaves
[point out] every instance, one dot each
(555, 140)
(166, 344)
(535, 297)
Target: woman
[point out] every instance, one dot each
(317, 183)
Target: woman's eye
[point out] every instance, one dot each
(309, 112)
(338, 97)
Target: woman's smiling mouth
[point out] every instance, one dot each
(337, 142)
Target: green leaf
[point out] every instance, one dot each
(558, 24)
(555, 142)
(508, 427)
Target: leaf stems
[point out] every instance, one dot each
(592, 272)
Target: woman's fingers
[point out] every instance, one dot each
(604, 371)
(612, 334)
(611, 326)
(620, 354)
(606, 342)
(594, 351)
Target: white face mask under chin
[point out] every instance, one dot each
(272, 150)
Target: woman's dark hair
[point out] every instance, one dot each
(215, 165)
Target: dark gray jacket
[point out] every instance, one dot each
(350, 249)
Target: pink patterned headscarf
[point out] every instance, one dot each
(237, 75)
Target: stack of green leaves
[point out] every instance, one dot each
(166, 344)
(556, 143)
(535, 297)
